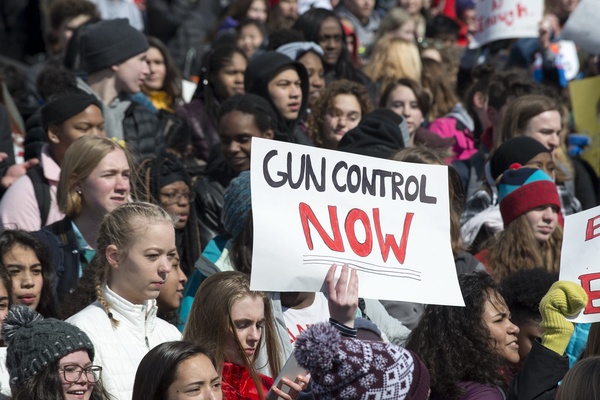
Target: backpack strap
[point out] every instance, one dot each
(41, 187)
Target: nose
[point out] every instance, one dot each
(554, 141)
(255, 333)
(145, 69)
(27, 280)
(513, 329)
(121, 183)
(182, 277)
(342, 121)
(239, 77)
(407, 111)
(296, 91)
(166, 266)
(548, 214)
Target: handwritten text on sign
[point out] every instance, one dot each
(580, 250)
(506, 19)
(315, 207)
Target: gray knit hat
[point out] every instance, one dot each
(34, 342)
(237, 204)
(110, 42)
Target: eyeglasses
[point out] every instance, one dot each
(72, 373)
(175, 197)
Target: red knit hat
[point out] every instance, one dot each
(523, 189)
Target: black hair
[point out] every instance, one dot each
(441, 25)
(158, 369)
(455, 343)
(523, 290)
(264, 116)
(284, 36)
(55, 79)
(310, 23)
(212, 63)
(9, 238)
(148, 190)
(48, 386)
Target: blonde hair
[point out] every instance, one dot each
(392, 59)
(80, 160)
(209, 323)
(394, 19)
(121, 228)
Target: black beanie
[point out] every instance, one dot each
(378, 134)
(110, 42)
(60, 109)
(519, 149)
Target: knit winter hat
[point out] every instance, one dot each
(352, 369)
(523, 189)
(237, 204)
(519, 149)
(34, 342)
(296, 50)
(60, 109)
(110, 42)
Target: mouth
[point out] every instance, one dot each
(513, 345)
(119, 199)
(546, 230)
(294, 107)
(27, 299)
(158, 284)
(250, 351)
(77, 393)
(238, 90)
(237, 161)
(183, 217)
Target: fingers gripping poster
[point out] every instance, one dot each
(389, 220)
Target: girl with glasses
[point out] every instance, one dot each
(49, 359)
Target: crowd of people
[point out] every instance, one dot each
(126, 133)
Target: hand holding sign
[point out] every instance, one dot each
(343, 295)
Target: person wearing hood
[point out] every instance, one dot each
(380, 133)
(284, 83)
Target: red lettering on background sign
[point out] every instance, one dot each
(586, 284)
(590, 231)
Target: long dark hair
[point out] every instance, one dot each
(172, 83)
(455, 343)
(158, 368)
(10, 238)
(48, 386)
(212, 63)
(148, 190)
(310, 23)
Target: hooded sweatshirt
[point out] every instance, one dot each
(379, 134)
(261, 70)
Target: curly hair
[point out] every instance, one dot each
(516, 248)
(326, 103)
(523, 290)
(455, 343)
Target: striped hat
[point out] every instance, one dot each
(523, 189)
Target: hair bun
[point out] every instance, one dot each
(18, 317)
(318, 348)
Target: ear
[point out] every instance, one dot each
(112, 256)
(479, 100)
(269, 134)
(114, 68)
(73, 182)
(53, 134)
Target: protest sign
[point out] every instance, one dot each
(506, 19)
(579, 259)
(585, 101)
(389, 220)
(582, 27)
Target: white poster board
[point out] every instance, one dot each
(388, 220)
(506, 19)
(579, 259)
(582, 26)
